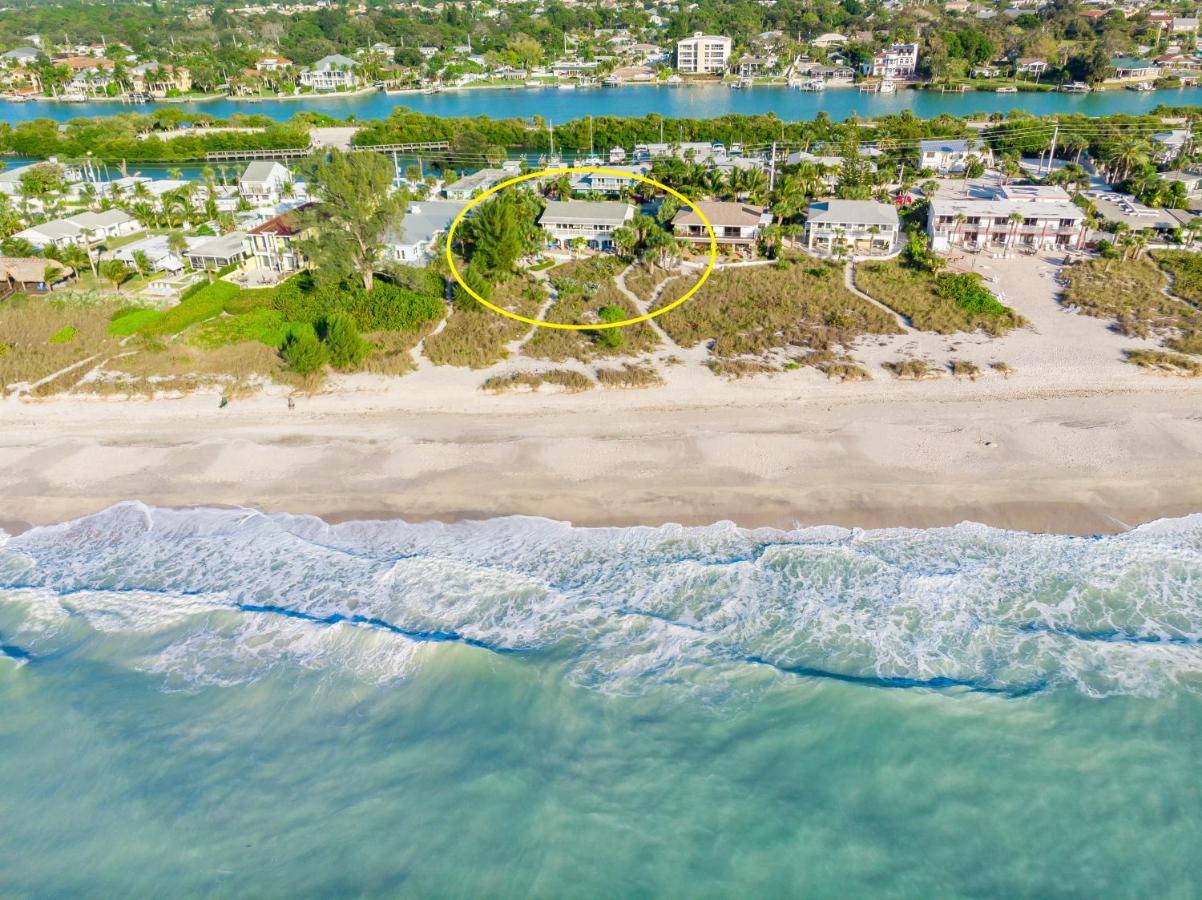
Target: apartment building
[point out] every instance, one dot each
(703, 54)
(1004, 224)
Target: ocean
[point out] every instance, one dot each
(227, 703)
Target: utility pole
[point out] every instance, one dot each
(1052, 150)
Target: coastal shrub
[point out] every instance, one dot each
(476, 337)
(64, 335)
(207, 301)
(629, 375)
(1132, 295)
(752, 310)
(1168, 363)
(942, 303)
(834, 366)
(1185, 268)
(303, 352)
(28, 326)
(267, 326)
(911, 369)
(570, 380)
(1002, 368)
(963, 368)
(740, 367)
(386, 307)
(131, 320)
(343, 342)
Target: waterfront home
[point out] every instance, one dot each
(412, 242)
(1003, 225)
(272, 63)
(82, 229)
(271, 246)
(861, 226)
(10, 179)
(263, 182)
(897, 61)
(597, 183)
(1033, 66)
(734, 224)
(159, 80)
(951, 156)
(31, 274)
(703, 54)
(22, 56)
(829, 39)
(590, 221)
(1191, 181)
(469, 186)
(217, 253)
(1127, 68)
(331, 73)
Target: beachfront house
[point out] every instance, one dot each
(331, 73)
(606, 183)
(898, 61)
(1004, 224)
(703, 54)
(218, 253)
(158, 80)
(593, 222)
(271, 247)
(412, 242)
(263, 182)
(948, 157)
(81, 229)
(1130, 68)
(861, 226)
(734, 224)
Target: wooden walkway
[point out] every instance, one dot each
(301, 152)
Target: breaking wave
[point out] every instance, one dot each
(226, 596)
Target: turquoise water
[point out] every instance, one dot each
(698, 102)
(226, 703)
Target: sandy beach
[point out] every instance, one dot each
(792, 449)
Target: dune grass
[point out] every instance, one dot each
(643, 278)
(1166, 363)
(476, 337)
(40, 335)
(1131, 294)
(629, 376)
(1185, 267)
(588, 295)
(750, 311)
(931, 305)
(571, 381)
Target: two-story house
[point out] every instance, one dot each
(952, 156)
(861, 226)
(331, 73)
(271, 246)
(263, 182)
(1005, 224)
(591, 221)
(734, 224)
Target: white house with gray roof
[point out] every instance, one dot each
(862, 226)
(262, 183)
(951, 156)
(1005, 224)
(84, 228)
(594, 222)
(412, 242)
(331, 73)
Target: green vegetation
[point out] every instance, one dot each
(1167, 363)
(1185, 268)
(477, 337)
(754, 310)
(64, 335)
(629, 376)
(132, 320)
(303, 351)
(30, 326)
(944, 303)
(571, 381)
(588, 295)
(911, 369)
(1131, 294)
(963, 368)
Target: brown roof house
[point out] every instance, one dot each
(733, 223)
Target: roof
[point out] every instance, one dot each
(30, 269)
(961, 145)
(858, 212)
(23, 53)
(1130, 62)
(224, 247)
(600, 212)
(728, 215)
(334, 59)
(260, 170)
(286, 223)
(424, 220)
(106, 219)
(55, 230)
(1060, 209)
(477, 180)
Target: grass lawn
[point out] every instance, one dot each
(1129, 292)
(914, 294)
(752, 310)
(587, 294)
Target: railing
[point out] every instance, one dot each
(301, 152)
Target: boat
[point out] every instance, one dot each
(814, 84)
(673, 80)
(1007, 90)
(612, 81)
(566, 87)
(1141, 86)
(887, 86)
(534, 84)
(1075, 87)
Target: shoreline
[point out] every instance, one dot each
(778, 453)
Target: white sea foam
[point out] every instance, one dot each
(219, 596)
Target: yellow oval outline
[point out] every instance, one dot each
(600, 326)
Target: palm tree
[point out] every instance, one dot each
(1015, 219)
(116, 272)
(76, 257)
(929, 187)
(142, 263)
(1128, 155)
